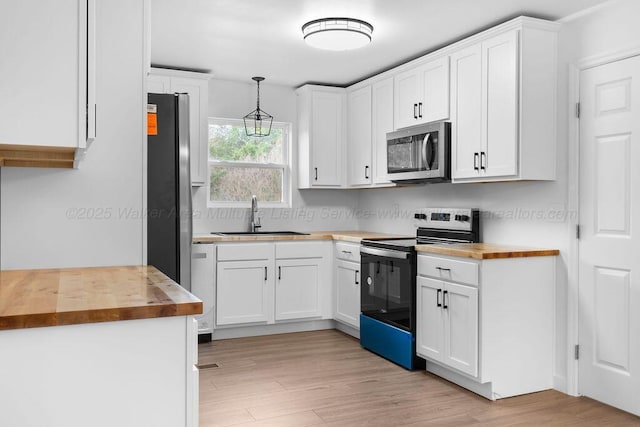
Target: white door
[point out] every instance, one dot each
(297, 288)
(434, 101)
(460, 307)
(243, 292)
(326, 139)
(359, 137)
(382, 123)
(348, 292)
(406, 92)
(609, 365)
(499, 153)
(466, 115)
(429, 319)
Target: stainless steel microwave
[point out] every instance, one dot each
(420, 153)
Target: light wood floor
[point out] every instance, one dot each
(326, 378)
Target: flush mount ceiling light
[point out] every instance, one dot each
(337, 33)
(258, 122)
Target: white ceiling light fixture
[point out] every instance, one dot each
(337, 33)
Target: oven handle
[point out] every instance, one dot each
(384, 252)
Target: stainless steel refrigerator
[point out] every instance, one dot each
(169, 220)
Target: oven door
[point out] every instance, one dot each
(387, 290)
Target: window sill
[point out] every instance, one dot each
(247, 205)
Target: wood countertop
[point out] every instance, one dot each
(485, 250)
(348, 236)
(52, 297)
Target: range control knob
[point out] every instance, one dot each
(369, 281)
(463, 218)
(420, 216)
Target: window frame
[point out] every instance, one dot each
(285, 167)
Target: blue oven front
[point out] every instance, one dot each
(388, 303)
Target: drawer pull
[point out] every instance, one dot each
(347, 252)
(443, 269)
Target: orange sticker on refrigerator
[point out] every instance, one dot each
(152, 124)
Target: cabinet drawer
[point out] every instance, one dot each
(348, 251)
(300, 249)
(244, 251)
(451, 270)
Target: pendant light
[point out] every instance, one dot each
(258, 122)
(337, 33)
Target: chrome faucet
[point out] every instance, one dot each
(255, 219)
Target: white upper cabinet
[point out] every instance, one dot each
(321, 134)
(359, 142)
(466, 126)
(422, 94)
(47, 83)
(503, 96)
(196, 85)
(382, 123)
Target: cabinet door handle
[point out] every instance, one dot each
(415, 115)
(483, 160)
(366, 172)
(475, 161)
(438, 304)
(316, 178)
(444, 300)
(356, 278)
(279, 273)
(265, 274)
(420, 109)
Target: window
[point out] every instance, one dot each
(241, 166)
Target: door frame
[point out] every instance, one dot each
(573, 202)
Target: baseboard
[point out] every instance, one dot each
(560, 384)
(283, 328)
(348, 329)
(485, 390)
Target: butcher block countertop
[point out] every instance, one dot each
(53, 297)
(348, 236)
(485, 250)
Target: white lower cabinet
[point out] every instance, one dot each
(487, 325)
(298, 288)
(244, 292)
(263, 283)
(347, 307)
(449, 313)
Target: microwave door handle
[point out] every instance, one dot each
(425, 143)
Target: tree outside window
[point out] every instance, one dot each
(241, 166)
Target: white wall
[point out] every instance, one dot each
(311, 209)
(41, 223)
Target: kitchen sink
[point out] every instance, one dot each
(259, 233)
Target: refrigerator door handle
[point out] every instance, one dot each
(184, 191)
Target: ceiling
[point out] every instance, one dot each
(238, 39)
